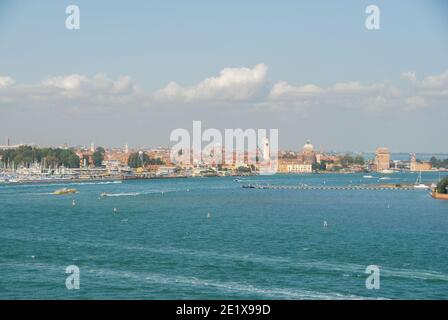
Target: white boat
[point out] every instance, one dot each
(387, 171)
(384, 178)
(419, 184)
(368, 177)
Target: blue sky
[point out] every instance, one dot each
(322, 43)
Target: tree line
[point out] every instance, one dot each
(137, 160)
(50, 157)
(439, 163)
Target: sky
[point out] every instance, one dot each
(137, 70)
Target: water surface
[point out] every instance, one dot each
(257, 244)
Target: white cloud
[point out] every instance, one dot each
(415, 102)
(72, 90)
(409, 76)
(283, 90)
(353, 88)
(70, 82)
(439, 81)
(434, 85)
(99, 83)
(235, 84)
(372, 98)
(6, 81)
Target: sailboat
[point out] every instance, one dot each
(418, 184)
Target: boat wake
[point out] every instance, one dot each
(128, 194)
(228, 287)
(180, 282)
(96, 183)
(350, 269)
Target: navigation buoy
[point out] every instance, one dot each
(209, 215)
(115, 210)
(74, 203)
(325, 224)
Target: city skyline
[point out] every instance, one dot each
(131, 147)
(133, 75)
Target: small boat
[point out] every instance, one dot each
(418, 184)
(64, 191)
(368, 177)
(384, 178)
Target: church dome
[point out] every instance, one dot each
(308, 147)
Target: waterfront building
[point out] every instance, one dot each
(116, 155)
(415, 165)
(294, 166)
(10, 147)
(382, 159)
(301, 162)
(307, 155)
(163, 154)
(166, 170)
(85, 157)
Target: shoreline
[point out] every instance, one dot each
(147, 177)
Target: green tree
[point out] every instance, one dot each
(26, 155)
(98, 156)
(322, 166)
(439, 163)
(137, 161)
(434, 162)
(359, 160)
(346, 160)
(243, 169)
(442, 185)
(157, 161)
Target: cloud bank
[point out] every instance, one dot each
(231, 86)
(351, 115)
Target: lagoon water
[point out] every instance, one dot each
(256, 244)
